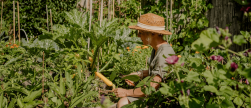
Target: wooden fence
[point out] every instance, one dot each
(228, 13)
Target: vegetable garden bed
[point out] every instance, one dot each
(56, 69)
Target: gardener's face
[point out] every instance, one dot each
(145, 37)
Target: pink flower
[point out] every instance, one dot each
(226, 38)
(218, 30)
(213, 57)
(188, 92)
(234, 66)
(182, 64)
(247, 82)
(102, 99)
(219, 58)
(182, 81)
(172, 59)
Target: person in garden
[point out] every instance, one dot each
(151, 30)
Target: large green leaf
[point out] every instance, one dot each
(134, 78)
(245, 34)
(165, 89)
(238, 101)
(211, 89)
(13, 60)
(32, 96)
(79, 99)
(192, 76)
(12, 103)
(62, 85)
(239, 40)
(246, 73)
(208, 38)
(209, 77)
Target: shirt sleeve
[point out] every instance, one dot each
(160, 63)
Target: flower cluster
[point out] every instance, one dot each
(13, 46)
(172, 59)
(247, 52)
(218, 58)
(234, 66)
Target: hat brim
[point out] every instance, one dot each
(155, 31)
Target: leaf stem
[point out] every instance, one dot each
(229, 50)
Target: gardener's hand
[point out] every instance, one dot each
(120, 92)
(129, 82)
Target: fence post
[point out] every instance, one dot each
(51, 20)
(47, 18)
(18, 22)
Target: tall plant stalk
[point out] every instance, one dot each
(171, 16)
(113, 8)
(109, 9)
(101, 13)
(18, 22)
(167, 16)
(1, 17)
(14, 22)
(43, 80)
(51, 20)
(47, 18)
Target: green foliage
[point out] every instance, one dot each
(33, 13)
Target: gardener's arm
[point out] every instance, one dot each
(144, 72)
(120, 92)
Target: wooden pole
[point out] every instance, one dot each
(90, 22)
(171, 14)
(14, 22)
(18, 22)
(167, 16)
(109, 9)
(1, 16)
(47, 18)
(51, 20)
(87, 5)
(43, 80)
(101, 14)
(119, 10)
(99, 6)
(113, 9)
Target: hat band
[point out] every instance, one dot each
(150, 27)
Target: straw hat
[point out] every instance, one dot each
(152, 23)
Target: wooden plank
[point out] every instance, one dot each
(14, 22)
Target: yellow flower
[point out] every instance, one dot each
(138, 46)
(73, 76)
(197, 52)
(145, 47)
(135, 50)
(179, 56)
(90, 59)
(128, 48)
